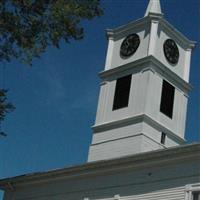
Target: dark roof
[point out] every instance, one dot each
(169, 155)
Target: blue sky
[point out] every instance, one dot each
(56, 98)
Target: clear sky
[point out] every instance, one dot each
(56, 98)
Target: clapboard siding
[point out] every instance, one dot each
(167, 194)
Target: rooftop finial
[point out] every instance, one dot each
(153, 7)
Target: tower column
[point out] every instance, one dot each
(187, 63)
(153, 37)
(109, 54)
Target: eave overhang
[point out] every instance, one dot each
(134, 162)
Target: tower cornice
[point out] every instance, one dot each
(150, 63)
(136, 119)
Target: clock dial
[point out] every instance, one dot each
(171, 51)
(129, 45)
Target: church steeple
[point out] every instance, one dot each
(153, 7)
(144, 89)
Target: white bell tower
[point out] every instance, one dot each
(144, 89)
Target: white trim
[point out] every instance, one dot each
(116, 197)
(109, 54)
(187, 64)
(131, 136)
(153, 37)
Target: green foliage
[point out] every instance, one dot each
(28, 27)
(5, 106)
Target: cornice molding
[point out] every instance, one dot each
(137, 119)
(119, 31)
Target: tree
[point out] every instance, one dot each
(28, 27)
(5, 107)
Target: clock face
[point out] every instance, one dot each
(171, 51)
(129, 45)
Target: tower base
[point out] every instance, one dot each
(128, 137)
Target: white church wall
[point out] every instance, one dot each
(136, 100)
(180, 110)
(113, 54)
(145, 98)
(149, 144)
(115, 148)
(170, 141)
(106, 141)
(155, 133)
(151, 44)
(153, 95)
(119, 131)
(177, 123)
(101, 103)
(181, 67)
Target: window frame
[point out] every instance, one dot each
(198, 195)
(119, 92)
(190, 189)
(166, 86)
(163, 138)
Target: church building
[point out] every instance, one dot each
(138, 149)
